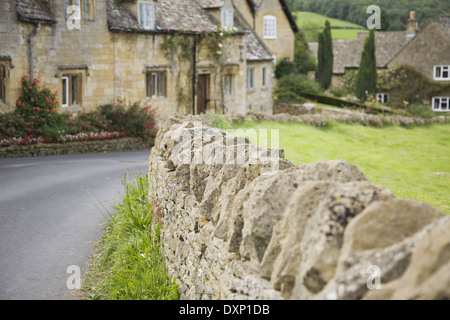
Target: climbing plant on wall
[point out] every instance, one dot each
(180, 48)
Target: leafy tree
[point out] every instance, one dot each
(304, 60)
(366, 80)
(325, 57)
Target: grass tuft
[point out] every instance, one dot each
(128, 263)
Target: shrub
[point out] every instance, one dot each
(290, 87)
(133, 120)
(419, 110)
(36, 120)
(284, 68)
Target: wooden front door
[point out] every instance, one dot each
(202, 93)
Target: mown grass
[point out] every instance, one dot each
(313, 23)
(128, 263)
(413, 163)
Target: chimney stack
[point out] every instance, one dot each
(413, 25)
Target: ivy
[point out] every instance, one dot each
(178, 48)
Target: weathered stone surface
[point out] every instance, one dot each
(234, 230)
(428, 275)
(385, 235)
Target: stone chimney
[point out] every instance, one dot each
(413, 25)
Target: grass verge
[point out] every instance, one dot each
(128, 263)
(413, 163)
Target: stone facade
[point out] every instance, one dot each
(111, 56)
(238, 230)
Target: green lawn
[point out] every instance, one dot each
(313, 23)
(412, 163)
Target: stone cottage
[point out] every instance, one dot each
(175, 55)
(426, 51)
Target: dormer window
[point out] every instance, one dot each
(146, 14)
(227, 18)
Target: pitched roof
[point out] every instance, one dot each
(444, 25)
(256, 4)
(34, 11)
(347, 53)
(176, 15)
(190, 16)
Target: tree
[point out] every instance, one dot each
(384, 21)
(366, 80)
(304, 60)
(325, 57)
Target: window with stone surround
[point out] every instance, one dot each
(441, 73)
(146, 15)
(156, 84)
(71, 90)
(270, 27)
(4, 79)
(250, 78)
(264, 77)
(228, 84)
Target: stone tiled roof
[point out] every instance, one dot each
(176, 15)
(347, 53)
(444, 25)
(34, 11)
(212, 3)
(183, 15)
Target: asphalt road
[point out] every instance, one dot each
(52, 212)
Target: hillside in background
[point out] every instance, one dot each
(355, 10)
(312, 23)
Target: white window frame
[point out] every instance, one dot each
(65, 89)
(227, 17)
(270, 27)
(156, 84)
(446, 100)
(438, 72)
(382, 97)
(251, 78)
(146, 22)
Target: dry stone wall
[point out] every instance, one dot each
(240, 226)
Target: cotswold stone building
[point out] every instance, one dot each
(175, 55)
(426, 51)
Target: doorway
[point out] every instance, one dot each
(202, 93)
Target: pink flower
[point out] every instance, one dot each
(30, 87)
(38, 109)
(35, 80)
(49, 115)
